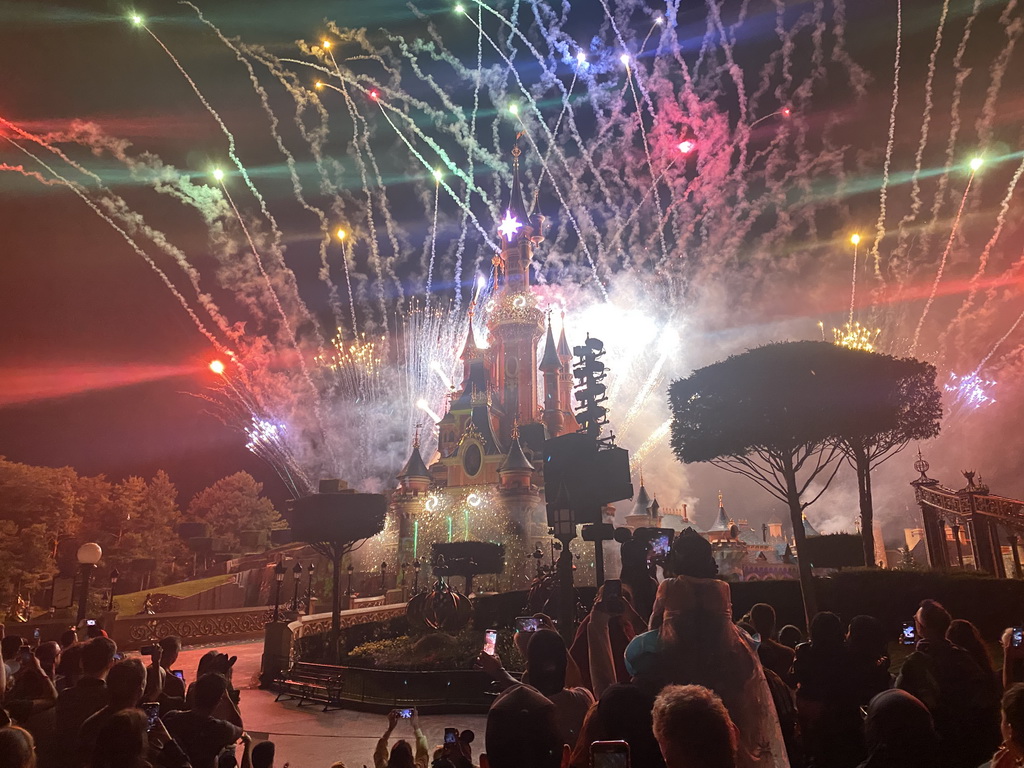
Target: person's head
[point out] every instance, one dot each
(826, 630)
(217, 663)
(68, 638)
(762, 616)
(401, 755)
(122, 741)
(521, 731)
(98, 656)
(263, 755)
(94, 630)
(1012, 725)
(791, 636)
(17, 749)
(866, 637)
(209, 690)
(70, 663)
(126, 682)
(899, 728)
(932, 620)
(624, 713)
(693, 728)
(691, 555)
(633, 554)
(171, 647)
(546, 661)
(49, 655)
(10, 646)
(961, 632)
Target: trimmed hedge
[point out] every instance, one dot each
(893, 597)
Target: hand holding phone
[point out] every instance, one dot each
(909, 634)
(527, 624)
(1017, 637)
(152, 710)
(405, 714)
(451, 735)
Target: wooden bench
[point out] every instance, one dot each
(312, 682)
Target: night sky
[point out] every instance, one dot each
(97, 359)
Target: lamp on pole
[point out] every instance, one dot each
(114, 575)
(383, 577)
(297, 576)
(88, 556)
(279, 571)
(349, 591)
(309, 589)
(416, 565)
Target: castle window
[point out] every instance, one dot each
(472, 460)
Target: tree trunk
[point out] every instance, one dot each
(796, 517)
(867, 510)
(335, 634)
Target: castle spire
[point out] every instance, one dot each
(550, 361)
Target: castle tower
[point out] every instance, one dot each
(565, 379)
(515, 323)
(407, 502)
(551, 367)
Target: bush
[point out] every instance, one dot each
(432, 651)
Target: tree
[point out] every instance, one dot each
(900, 403)
(231, 505)
(773, 414)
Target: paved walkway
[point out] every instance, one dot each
(307, 737)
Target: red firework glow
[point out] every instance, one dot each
(20, 386)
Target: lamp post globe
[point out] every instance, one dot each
(279, 571)
(88, 556)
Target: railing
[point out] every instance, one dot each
(193, 627)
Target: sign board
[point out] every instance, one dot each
(63, 592)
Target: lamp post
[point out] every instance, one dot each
(279, 571)
(416, 565)
(297, 576)
(88, 556)
(114, 575)
(383, 577)
(405, 567)
(309, 589)
(349, 591)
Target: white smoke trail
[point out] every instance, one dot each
(880, 225)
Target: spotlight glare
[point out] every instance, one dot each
(659, 20)
(136, 20)
(218, 174)
(513, 108)
(976, 163)
(437, 175)
(460, 8)
(581, 57)
(686, 146)
(341, 234)
(624, 58)
(326, 45)
(318, 85)
(855, 239)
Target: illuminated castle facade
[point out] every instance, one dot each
(486, 483)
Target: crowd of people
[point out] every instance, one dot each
(77, 703)
(668, 680)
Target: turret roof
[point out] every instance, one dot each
(471, 348)
(809, 530)
(550, 361)
(415, 466)
(643, 501)
(517, 203)
(564, 353)
(516, 459)
(722, 521)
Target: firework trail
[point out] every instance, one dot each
(883, 193)
(1013, 27)
(76, 188)
(945, 256)
(853, 281)
(433, 238)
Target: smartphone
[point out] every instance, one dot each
(909, 633)
(178, 674)
(147, 650)
(490, 638)
(90, 622)
(152, 710)
(660, 546)
(1017, 638)
(451, 735)
(609, 754)
(35, 634)
(612, 589)
(527, 624)
(405, 714)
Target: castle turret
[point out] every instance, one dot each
(516, 471)
(407, 503)
(565, 379)
(415, 477)
(551, 366)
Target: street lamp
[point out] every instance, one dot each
(88, 556)
(383, 577)
(309, 589)
(349, 591)
(297, 576)
(279, 571)
(416, 565)
(114, 575)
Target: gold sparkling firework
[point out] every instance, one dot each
(855, 336)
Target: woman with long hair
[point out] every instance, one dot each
(17, 750)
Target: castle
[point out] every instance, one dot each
(487, 481)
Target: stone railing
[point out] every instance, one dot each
(193, 627)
